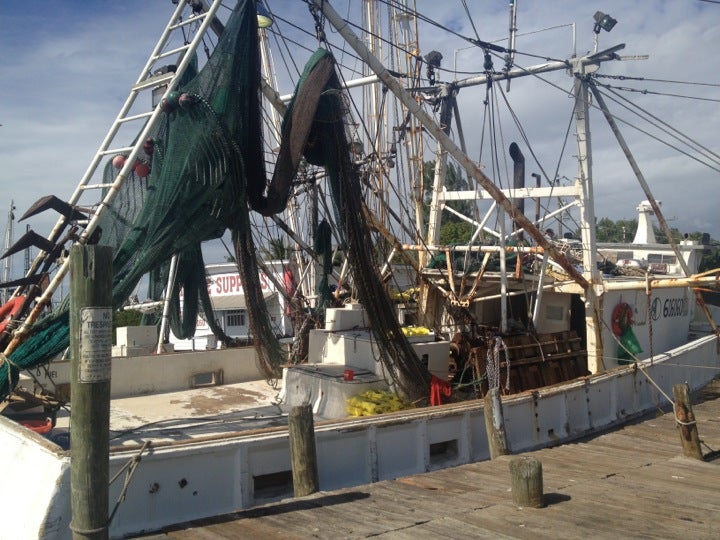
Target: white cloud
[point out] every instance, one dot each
(67, 67)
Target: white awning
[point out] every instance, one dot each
(234, 301)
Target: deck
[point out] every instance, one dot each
(632, 482)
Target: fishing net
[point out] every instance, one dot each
(202, 167)
(193, 188)
(328, 146)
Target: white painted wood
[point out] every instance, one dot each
(210, 477)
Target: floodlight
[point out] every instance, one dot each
(603, 21)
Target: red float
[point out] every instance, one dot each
(142, 169)
(119, 161)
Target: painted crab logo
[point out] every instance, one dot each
(655, 309)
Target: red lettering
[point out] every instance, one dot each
(263, 281)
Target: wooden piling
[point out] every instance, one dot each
(91, 348)
(685, 418)
(527, 482)
(303, 455)
(495, 424)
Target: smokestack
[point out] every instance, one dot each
(518, 179)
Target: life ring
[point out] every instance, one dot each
(622, 318)
(9, 310)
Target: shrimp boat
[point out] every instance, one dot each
(425, 284)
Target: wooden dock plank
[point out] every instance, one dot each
(629, 483)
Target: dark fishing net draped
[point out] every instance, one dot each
(198, 158)
(328, 146)
(206, 171)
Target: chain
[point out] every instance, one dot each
(493, 364)
(648, 295)
(618, 77)
(319, 22)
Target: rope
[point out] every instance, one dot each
(648, 296)
(642, 370)
(130, 467)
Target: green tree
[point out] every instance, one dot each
(453, 229)
(125, 318)
(455, 232)
(277, 250)
(623, 230)
(607, 230)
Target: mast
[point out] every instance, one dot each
(593, 293)
(431, 126)
(409, 132)
(7, 263)
(510, 56)
(374, 104)
(433, 235)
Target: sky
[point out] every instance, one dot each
(67, 66)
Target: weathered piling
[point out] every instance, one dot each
(495, 424)
(685, 418)
(91, 348)
(527, 482)
(303, 455)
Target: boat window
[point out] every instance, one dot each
(555, 313)
(236, 318)
(660, 258)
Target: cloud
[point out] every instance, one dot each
(68, 65)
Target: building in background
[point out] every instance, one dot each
(230, 309)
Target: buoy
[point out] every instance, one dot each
(170, 103)
(41, 427)
(186, 100)
(149, 146)
(119, 161)
(142, 169)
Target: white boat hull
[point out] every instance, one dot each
(180, 481)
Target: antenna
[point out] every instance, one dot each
(28, 254)
(7, 263)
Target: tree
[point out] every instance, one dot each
(277, 250)
(623, 230)
(607, 230)
(455, 232)
(122, 318)
(453, 229)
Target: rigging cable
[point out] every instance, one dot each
(526, 140)
(629, 78)
(659, 120)
(656, 93)
(472, 23)
(661, 140)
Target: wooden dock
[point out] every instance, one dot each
(632, 482)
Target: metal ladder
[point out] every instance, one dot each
(201, 12)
